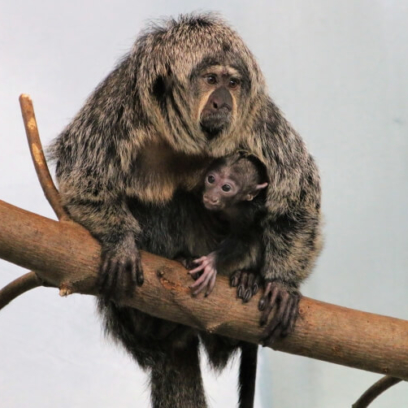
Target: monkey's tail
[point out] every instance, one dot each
(176, 379)
(247, 375)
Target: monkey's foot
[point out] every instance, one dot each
(121, 269)
(285, 301)
(247, 282)
(206, 266)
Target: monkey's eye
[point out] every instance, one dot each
(233, 83)
(226, 187)
(211, 79)
(211, 179)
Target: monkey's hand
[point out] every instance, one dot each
(206, 266)
(285, 301)
(187, 262)
(121, 268)
(247, 282)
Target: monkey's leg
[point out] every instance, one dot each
(176, 378)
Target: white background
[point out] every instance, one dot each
(339, 71)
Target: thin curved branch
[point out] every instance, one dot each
(19, 286)
(375, 390)
(37, 154)
(31, 280)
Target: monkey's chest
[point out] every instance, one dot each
(158, 173)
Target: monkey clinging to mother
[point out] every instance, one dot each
(128, 167)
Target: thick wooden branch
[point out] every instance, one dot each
(65, 255)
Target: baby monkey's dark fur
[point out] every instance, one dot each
(231, 191)
(189, 91)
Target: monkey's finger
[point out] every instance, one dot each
(248, 290)
(242, 285)
(211, 285)
(251, 279)
(110, 281)
(107, 275)
(204, 284)
(103, 273)
(264, 299)
(270, 305)
(200, 280)
(255, 285)
(133, 276)
(274, 329)
(195, 276)
(196, 270)
(247, 295)
(269, 295)
(235, 278)
(294, 313)
(139, 271)
(287, 315)
(203, 258)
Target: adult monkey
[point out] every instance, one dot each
(188, 92)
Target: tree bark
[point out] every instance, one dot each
(64, 254)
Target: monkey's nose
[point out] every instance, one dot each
(221, 100)
(211, 200)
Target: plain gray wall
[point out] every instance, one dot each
(339, 71)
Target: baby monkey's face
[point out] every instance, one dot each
(221, 190)
(227, 185)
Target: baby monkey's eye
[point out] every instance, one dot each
(211, 179)
(226, 187)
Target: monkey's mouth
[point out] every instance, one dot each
(213, 123)
(210, 206)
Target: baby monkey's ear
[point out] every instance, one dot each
(259, 187)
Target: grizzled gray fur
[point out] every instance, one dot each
(128, 166)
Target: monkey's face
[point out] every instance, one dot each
(229, 182)
(221, 190)
(219, 90)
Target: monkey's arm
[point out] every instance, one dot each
(111, 222)
(94, 156)
(292, 243)
(291, 227)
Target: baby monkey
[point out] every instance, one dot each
(232, 188)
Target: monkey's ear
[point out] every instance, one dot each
(261, 186)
